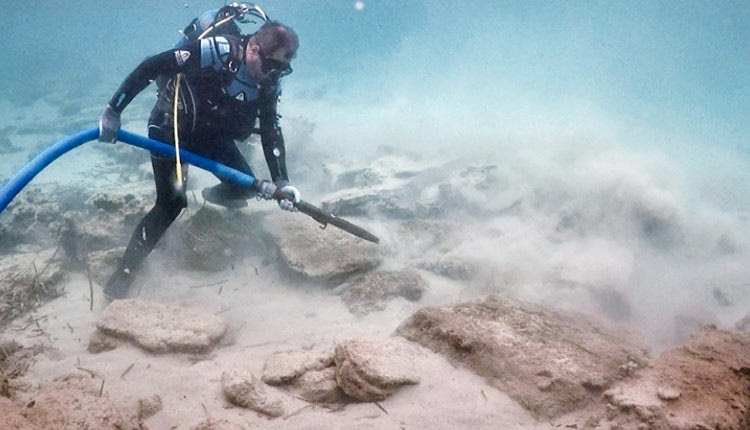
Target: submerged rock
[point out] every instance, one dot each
(388, 187)
(284, 366)
(31, 218)
(243, 389)
(213, 238)
(361, 202)
(385, 187)
(364, 369)
(71, 217)
(372, 291)
(327, 255)
(161, 328)
(548, 361)
(703, 384)
(310, 375)
(372, 369)
(318, 386)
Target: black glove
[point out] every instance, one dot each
(109, 123)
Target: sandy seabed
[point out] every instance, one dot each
(623, 241)
(265, 314)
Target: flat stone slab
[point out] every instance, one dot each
(158, 327)
(372, 369)
(329, 255)
(550, 362)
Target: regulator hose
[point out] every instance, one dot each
(53, 152)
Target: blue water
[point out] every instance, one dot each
(586, 106)
(680, 67)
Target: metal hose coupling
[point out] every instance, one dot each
(266, 189)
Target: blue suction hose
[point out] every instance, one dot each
(46, 157)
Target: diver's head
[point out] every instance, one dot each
(269, 52)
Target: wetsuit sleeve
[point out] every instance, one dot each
(271, 137)
(183, 59)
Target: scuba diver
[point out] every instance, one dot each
(213, 88)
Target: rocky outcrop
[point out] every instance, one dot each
(328, 255)
(700, 385)
(372, 291)
(161, 328)
(548, 361)
(32, 217)
(372, 369)
(71, 217)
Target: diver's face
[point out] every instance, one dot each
(267, 68)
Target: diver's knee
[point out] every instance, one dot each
(169, 208)
(180, 202)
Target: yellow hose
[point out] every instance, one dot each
(218, 24)
(178, 166)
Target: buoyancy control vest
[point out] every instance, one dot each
(210, 28)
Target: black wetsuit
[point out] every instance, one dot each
(219, 103)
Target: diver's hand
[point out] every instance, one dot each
(109, 123)
(289, 196)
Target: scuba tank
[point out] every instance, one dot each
(222, 21)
